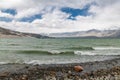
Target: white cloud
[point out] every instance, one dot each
(106, 14)
(11, 3)
(27, 13)
(30, 7)
(5, 15)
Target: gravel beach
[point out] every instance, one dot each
(98, 70)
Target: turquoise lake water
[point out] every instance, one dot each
(51, 51)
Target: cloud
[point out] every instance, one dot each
(5, 19)
(46, 16)
(31, 18)
(5, 15)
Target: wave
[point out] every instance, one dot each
(81, 48)
(52, 52)
(3, 62)
(84, 53)
(107, 48)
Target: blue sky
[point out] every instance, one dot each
(9, 11)
(5, 19)
(73, 12)
(31, 18)
(44, 16)
(76, 12)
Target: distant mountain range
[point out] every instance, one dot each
(93, 33)
(6, 33)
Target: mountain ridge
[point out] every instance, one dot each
(115, 33)
(92, 33)
(7, 33)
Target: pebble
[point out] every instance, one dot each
(78, 68)
(50, 78)
(64, 74)
(4, 74)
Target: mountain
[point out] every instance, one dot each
(6, 33)
(93, 33)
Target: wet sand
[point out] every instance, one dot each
(98, 70)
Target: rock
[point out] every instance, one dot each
(24, 77)
(4, 74)
(52, 73)
(50, 78)
(78, 68)
(69, 72)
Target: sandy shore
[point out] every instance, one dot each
(98, 70)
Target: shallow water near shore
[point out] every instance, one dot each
(51, 51)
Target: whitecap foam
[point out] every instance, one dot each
(84, 53)
(3, 62)
(107, 48)
(34, 62)
(54, 52)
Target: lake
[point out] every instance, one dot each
(57, 51)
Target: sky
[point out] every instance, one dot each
(57, 16)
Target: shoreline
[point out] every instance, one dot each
(93, 70)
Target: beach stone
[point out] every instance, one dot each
(52, 73)
(4, 74)
(78, 68)
(50, 78)
(117, 77)
(24, 77)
